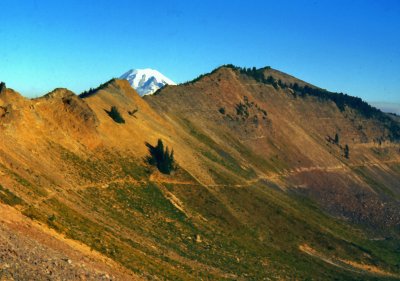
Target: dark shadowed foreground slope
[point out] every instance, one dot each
(276, 179)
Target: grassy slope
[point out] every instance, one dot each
(245, 228)
(253, 232)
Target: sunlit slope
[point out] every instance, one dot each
(262, 188)
(287, 136)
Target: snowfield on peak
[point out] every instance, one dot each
(146, 81)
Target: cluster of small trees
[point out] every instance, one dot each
(340, 99)
(253, 72)
(91, 91)
(242, 110)
(336, 140)
(116, 115)
(162, 158)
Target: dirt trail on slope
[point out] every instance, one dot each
(273, 177)
(346, 264)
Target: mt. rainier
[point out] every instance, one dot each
(146, 81)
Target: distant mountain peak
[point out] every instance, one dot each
(146, 81)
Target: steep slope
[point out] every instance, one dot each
(31, 250)
(146, 81)
(287, 135)
(262, 189)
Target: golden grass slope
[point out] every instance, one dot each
(250, 156)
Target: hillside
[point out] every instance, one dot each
(264, 189)
(291, 134)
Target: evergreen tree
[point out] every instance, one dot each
(2, 86)
(346, 151)
(270, 80)
(337, 138)
(163, 159)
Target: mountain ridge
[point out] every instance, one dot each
(262, 188)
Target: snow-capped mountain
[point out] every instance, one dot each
(146, 81)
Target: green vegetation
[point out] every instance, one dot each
(30, 188)
(7, 197)
(104, 165)
(246, 108)
(242, 110)
(115, 115)
(372, 180)
(91, 91)
(250, 229)
(34, 213)
(90, 169)
(247, 233)
(336, 139)
(341, 100)
(162, 159)
(274, 164)
(250, 233)
(216, 154)
(346, 151)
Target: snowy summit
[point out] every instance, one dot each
(146, 81)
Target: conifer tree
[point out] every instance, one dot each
(346, 151)
(163, 159)
(337, 138)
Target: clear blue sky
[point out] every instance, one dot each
(349, 46)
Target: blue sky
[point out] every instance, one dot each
(347, 46)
